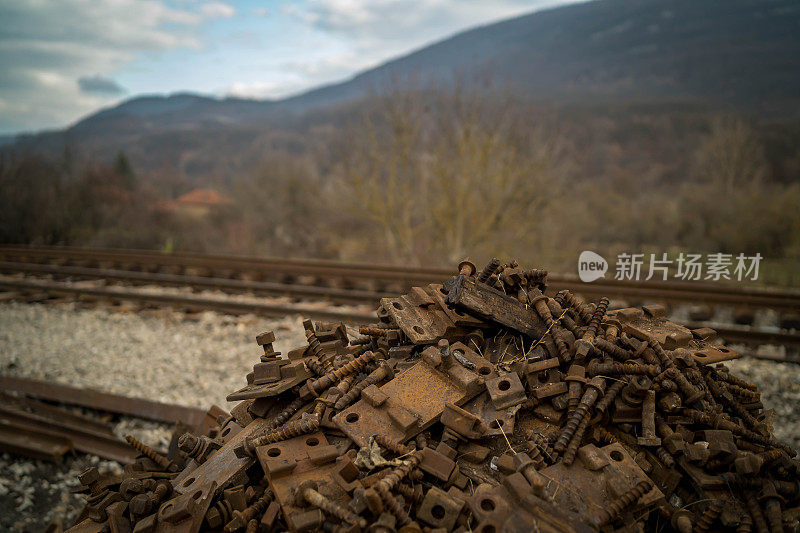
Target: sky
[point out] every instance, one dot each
(61, 60)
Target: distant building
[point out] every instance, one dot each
(200, 202)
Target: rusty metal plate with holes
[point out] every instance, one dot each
(710, 354)
(184, 513)
(414, 400)
(506, 390)
(420, 317)
(597, 478)
(291, 375)
(439, 509)
(641, 325)
(297, 461)
(220, 468)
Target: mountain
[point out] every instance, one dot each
(741, 53)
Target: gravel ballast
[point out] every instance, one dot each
(167, 358)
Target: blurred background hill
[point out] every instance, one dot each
(619, 125)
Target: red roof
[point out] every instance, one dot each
(204, 197)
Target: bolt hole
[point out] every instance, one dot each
(484, 371)
(487, 504)
(504, 385)
(313, 441)
(225, 433)
(352, 418)
(188, 482)
(542, 377)
(724, 350)
(397, 305)
(616, 455)
(197, 495)
(437, 511)
(274, 452)
(496, 424)
(418, 329)
(700, 354)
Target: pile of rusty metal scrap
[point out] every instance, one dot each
(476, 405)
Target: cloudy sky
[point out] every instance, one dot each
(63, 59)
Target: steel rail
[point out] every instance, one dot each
(257, 287)
(102, 401)
(680, 291)
(225, 305)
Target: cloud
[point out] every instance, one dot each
(217, 10)
(378, 30)
(100, 85)
(48, 47)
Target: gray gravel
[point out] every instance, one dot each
(197, 362)
(164, 357)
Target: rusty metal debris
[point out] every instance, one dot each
(479, 404)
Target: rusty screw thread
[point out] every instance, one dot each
(597, 316)
(772, 508)
(409, 493)
(615, 369)
(727, 399)
(745, 394)
(720, 423)
(319, 385)
(730, 379)
(252, 526)
(609, 397)
(754, 509)
(535, 275)
(745, 524)
(603, 435)
(665, 457)
(315, 367)
(564, 355)
(620, 504)
(566, 299)
(708, 517)
(392, 445)
(535, 453)
(318, 500)
(582, 411)
(398, 473)
(287, 413)
(393, 505)
(612, 349)
(291, 430)
(241, 518)
(691, 393)
(574, 444)
(148, 452)
(373, 331)
(489, 269)
(355, 391)
(575, 391)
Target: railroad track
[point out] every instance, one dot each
(381, 277)
(299, 279)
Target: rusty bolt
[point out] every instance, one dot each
(708, 517)
(148, 452)
(488, 270)
(307, 493)
(594, 389)
(620, 504)
(288, 431)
